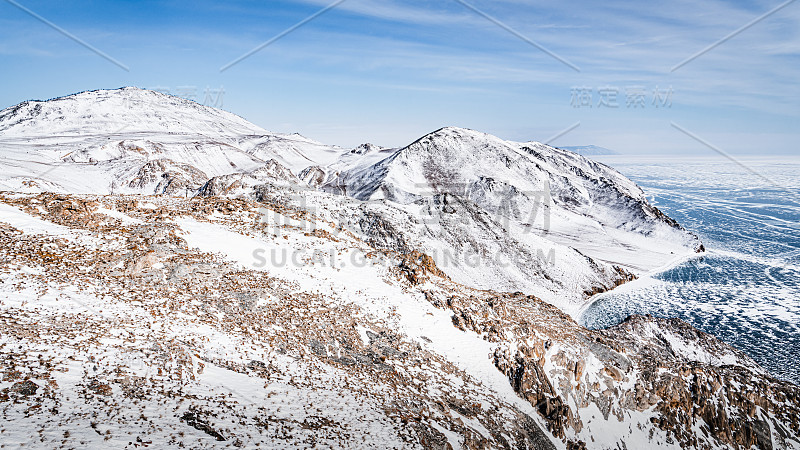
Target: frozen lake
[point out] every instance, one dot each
(746, 289)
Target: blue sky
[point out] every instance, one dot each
(389, 71)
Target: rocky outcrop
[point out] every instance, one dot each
(242, 183)
(164, 176)
(698, 390)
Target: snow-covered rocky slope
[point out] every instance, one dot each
(161, 321)
(255, 304)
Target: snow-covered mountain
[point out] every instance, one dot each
(493, 214)
(530, 186)
(199, 280)
(137, 141)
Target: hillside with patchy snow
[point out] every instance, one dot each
(210, 322)
(174, 276)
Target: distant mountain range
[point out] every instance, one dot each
(590, 150)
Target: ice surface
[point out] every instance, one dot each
(745, 289)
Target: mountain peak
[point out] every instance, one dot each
(447, 141)
(105, 93)
(128, 109)
(453, 131)
(365, 148)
